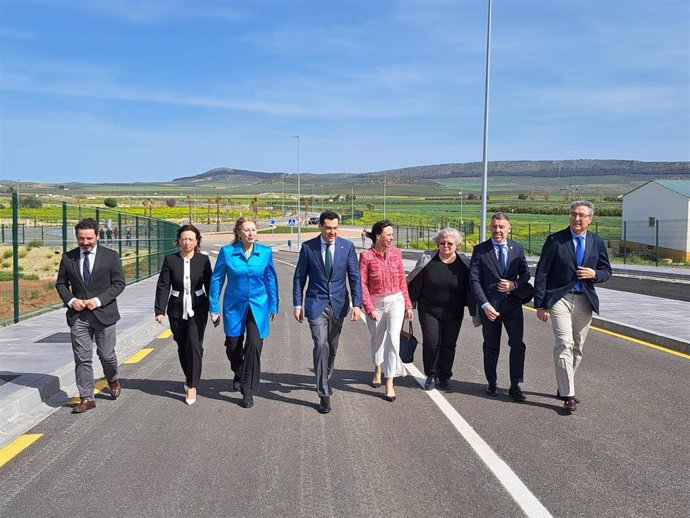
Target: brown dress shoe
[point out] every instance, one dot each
(570, 404)
(115, 388)
(83, 406)
(562, 398)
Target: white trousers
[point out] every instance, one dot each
(571, 317)
(385, 333)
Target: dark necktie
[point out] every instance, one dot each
(86, 270)
(502, 259)
(329, 260)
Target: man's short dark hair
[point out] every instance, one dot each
(85, 224)
(501, 215)
(328, 214)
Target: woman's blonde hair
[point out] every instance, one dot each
(238, 225)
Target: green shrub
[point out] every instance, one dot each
(29, 202)
(34, 243)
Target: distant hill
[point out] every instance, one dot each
(430, 174)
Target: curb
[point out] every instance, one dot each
(639, 333)
(43, 394)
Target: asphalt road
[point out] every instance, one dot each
(623, 453)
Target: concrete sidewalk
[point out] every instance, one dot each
(37, 367)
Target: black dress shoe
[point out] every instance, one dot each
(390, 399)
(248, 401)
(324, 405)
(516, 394)
(563, 398)
(429, 383)
(443, 384)
(570, 404)
(492, 390)
(375, 384)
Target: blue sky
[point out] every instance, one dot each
(150, 90)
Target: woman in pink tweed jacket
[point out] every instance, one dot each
(386, 303)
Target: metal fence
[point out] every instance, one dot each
(30, 254)
(656, 240)
(640, 242)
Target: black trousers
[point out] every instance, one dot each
(189, 336)
(439, 338)
(514, 323)
(244, 353)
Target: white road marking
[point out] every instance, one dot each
(505, 475)
(529, 503)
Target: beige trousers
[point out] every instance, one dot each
(571, 317)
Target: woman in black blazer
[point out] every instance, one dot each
(183, 287)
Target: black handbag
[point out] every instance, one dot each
(408, 343)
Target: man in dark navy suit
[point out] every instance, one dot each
(571, 262)
(329, 262)
(499, 275)
(88, 282)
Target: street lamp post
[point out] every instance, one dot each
(485, 157)
(299, 200)
(385, 179)
(461, 220)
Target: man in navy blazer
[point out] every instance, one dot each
(498, 274)
(328, 261)
(571, 262)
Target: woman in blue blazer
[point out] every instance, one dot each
(249, 303)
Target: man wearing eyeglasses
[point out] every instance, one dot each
(571, 262)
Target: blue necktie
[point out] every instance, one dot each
(86, 270)
(329, 260)
(580, 254)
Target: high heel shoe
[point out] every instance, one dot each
(187, 399)
(390, 398)
(374, 383)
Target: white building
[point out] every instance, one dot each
(658, 214)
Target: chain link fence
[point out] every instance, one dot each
(30, 254)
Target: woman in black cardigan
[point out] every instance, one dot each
(440, 287)
(183, 287)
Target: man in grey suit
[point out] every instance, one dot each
(89, 280)
(329, 262)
